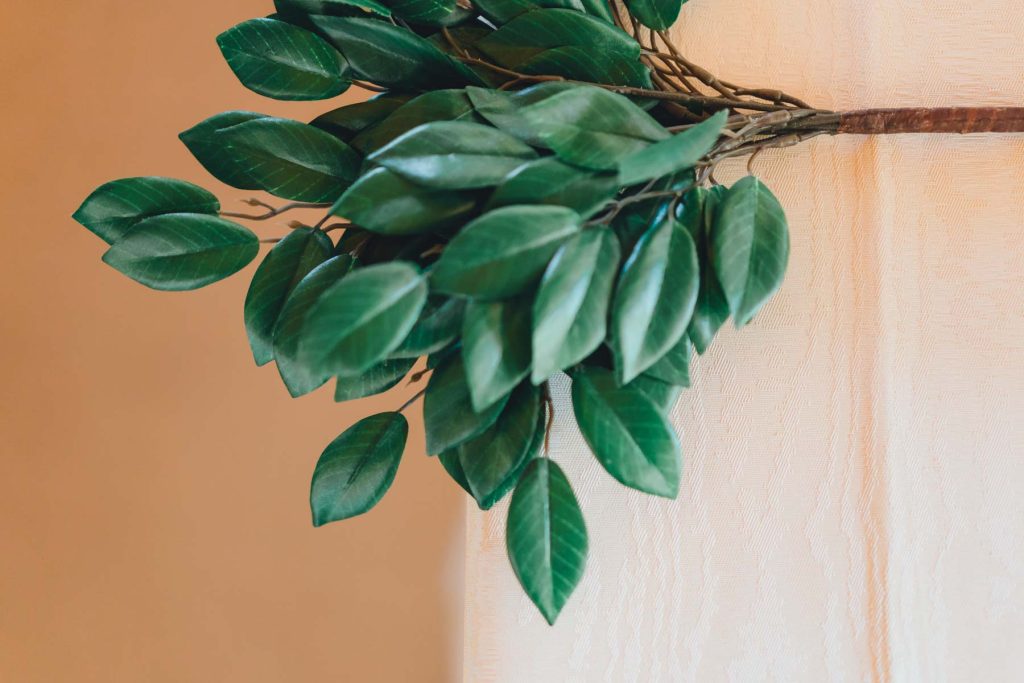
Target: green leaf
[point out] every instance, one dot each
(662, 394)
(681, 151)
(495, 349)
(282, 61)
(116, 207)
(362, 318)
(422, 11)
(298, 377)
(655, 297)
(750, 247)
(392, 56)
(436, 105)
(491, 463)
(635, 219)
(712, 309)
(285, 265)
(674, 366)
(503, 252)
(531, 33)
(504, 110)
(627, 433)
(223, 163)
(546, 537)
(376, 380)
(178, 251)
(571, 307)
(580, 63)
(655, 14)
(357, 468)
(592, 127)
(454, 155)
(549, 181)
(439, 325)
(291, 159)
(334, 8)
(345, 123)
(450, 460)
(384, 202)
(449, 418)
(501, 12)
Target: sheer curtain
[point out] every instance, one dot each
(852, 503)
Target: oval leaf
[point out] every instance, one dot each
(496, 349)
(711, 310)
(376, 380)
(681, 151)
(448, 415)
(549, 181)
(345, 123)
(655, 14)
(223, 163)
(436, 105)
(439, 325)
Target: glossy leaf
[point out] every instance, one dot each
(546, 537)
(571, 307)
(750, 247)
(345, 123)
(360, 319)
(450, 461)
(440, 323)
(384, 202)
(116, 207)
(681, 151)
(662, 394)
(654, 299)
(549, 181)
(674, 366)
(495, 349)
(291, 159)
(592, 127)
(711, 310)
(179, 251)
(357, 468)
(581, 63)
(298, 377)
(454, 155)
(334, 8)
(627, 432)
(376, 380)
(449, 418)
(285, 265)
(422, 11)
(282, 61)
(503, 11)
(436, 105)
(532, 33)
(220, 161)
(655, 14)
(503, 110)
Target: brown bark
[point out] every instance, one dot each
(932, 120)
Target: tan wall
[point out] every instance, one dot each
(153, 483)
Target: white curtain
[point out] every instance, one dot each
(852, 507)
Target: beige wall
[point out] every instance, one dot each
(153, 483)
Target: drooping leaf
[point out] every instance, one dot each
(448, 415)
(362, 318)
(571, 307)
(655, 14)
(549, 181)
(116, 207)
(591, 127)
(503, 110)
(212, 152)
(674, 366)
(291, 159)
(179, 251)
(333, 8)
(346, 122)
(384, 202)
(357, 468)
(495, 349)
(655, 297)
(439, 324)
(504, 251)
(284, 267)
(283, 61)
(454, 155)
(580, 63)
(636, 218)
(627, 432)
(750, 247)
(450, 460)
(436, 105)
(376, 380)
(681, 151)
(712, 309)
(492, 461)
(546, 537)
(299, 378)
(662, 394)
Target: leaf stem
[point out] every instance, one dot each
(412, 400)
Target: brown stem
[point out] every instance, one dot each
(932, 120)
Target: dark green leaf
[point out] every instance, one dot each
(711, 310)
(674, 366)
(581, 63)
(439, 324)
(503, 252)
(334, 8)
(662, 394)
(502, 11)
(495, 349)
(592, 127)
(284, 267)
(546, 537)
(655, 297)
(549, 181)
(436, 105)
(655, 14)
(362, 318)
(214, 155)
(178, 251)
(291, 159)
(450, 460)
(572, 303)
(454, 155)
(504, 110)
(422, 11)
(345, 123)
(297, 376)
(386, 203)
(636, 218)
(681, 151)
(376, 380)
(448, 415)
(116, 207)
(357, 468)
(750, 247)
(283, 61)
(627, 433)
(531, 33)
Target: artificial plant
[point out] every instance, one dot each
(530, 191)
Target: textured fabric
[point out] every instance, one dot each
(851, 507)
